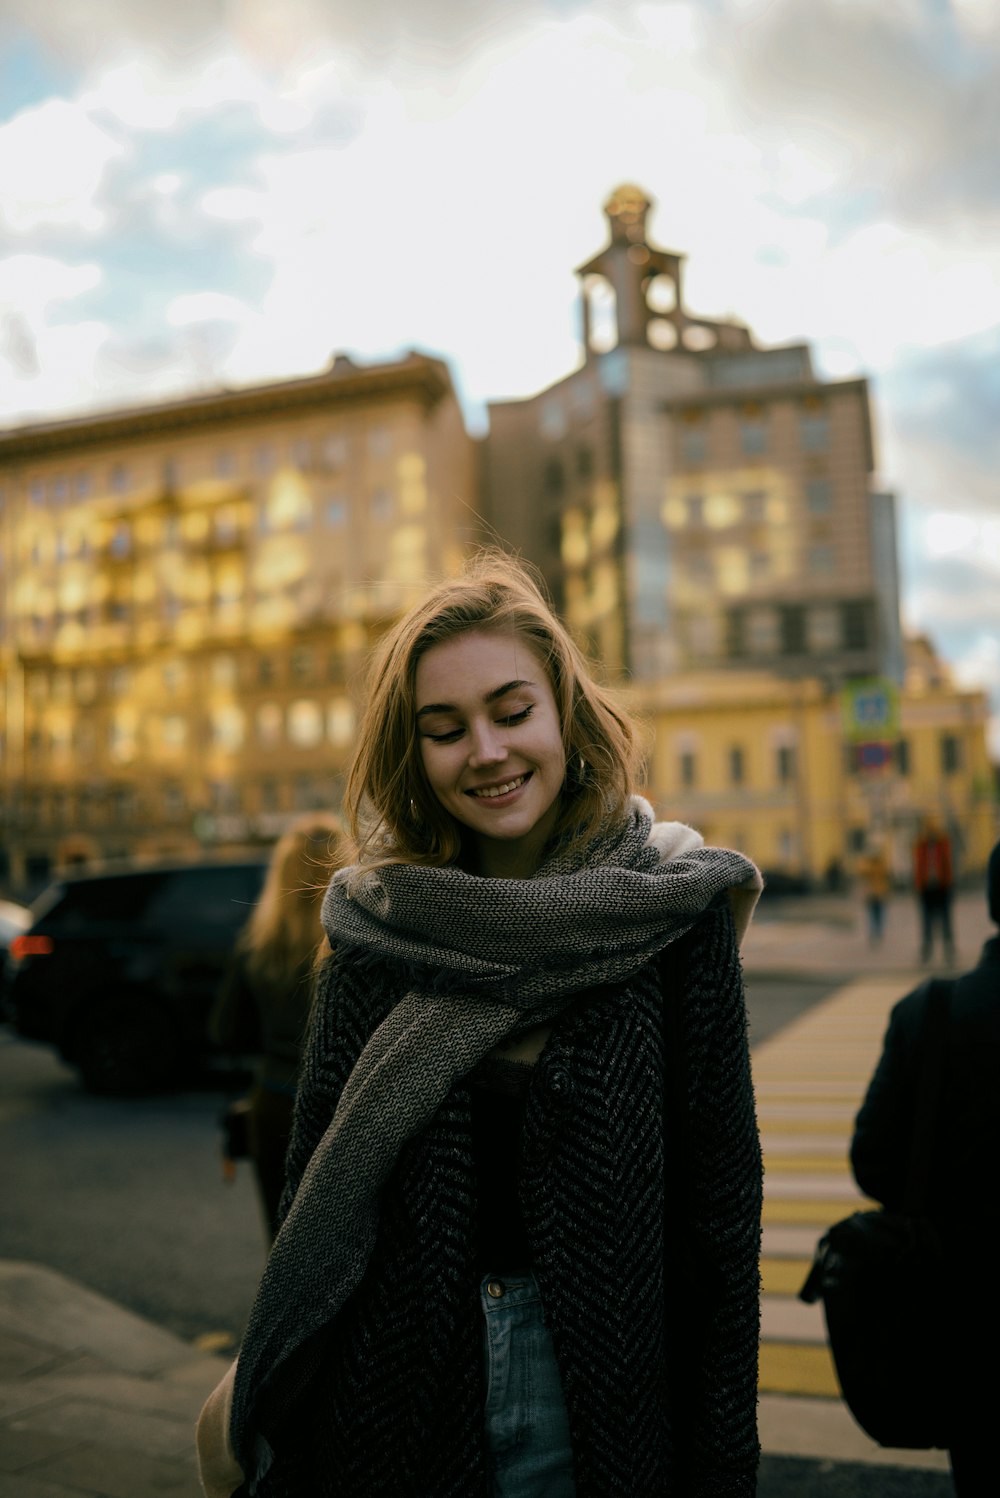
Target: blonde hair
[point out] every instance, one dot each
(284, 929)
(391, 811)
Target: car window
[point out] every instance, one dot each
(79, 904)
(221, 896)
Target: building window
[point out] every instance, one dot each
(225, 464)
(694, 445)
(305, 723)
(785, 763)
(265, 670)
(823, 628)
(814, 432)
(760, 566)
(226, 724)
(695, 505)
(173, 799)
(335, 451)
(854, 622)
(269, 725)
(121, 540)
(226, 525)
(81, 484)
(737, 765)
(60, 489)
(36, 492)
(704, 635)
(903, 759)
(821, 560)
(302, 452)
(951, 754)
(584, 463)
(119, 479)
(223, 671)
(306, 793)
(753, 436)
(263, 459)
(755, 506)
(379, 442)
(555, 478)
(819, 496)
(335, 512)
(173, 731)
(270, 795)
(224, 796)
(687, 766)
(303, 663)
(340, 722)
(381, 505)
(762, 632)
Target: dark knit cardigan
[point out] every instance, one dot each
(651, 1294)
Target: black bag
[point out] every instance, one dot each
(881, 1278)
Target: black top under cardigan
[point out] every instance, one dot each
(660, 1388)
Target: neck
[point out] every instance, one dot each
(496, 860)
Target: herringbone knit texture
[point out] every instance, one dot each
(660, 1389)
(486, 959)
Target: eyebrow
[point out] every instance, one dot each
(494, 696)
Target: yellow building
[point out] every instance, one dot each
(764, 764)
(187, 596)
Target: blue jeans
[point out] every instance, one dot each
(527, 1432)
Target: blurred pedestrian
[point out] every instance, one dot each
(264, 1002)
(875, 879)
(933, 879)
(522, 1255)
(963, 1185)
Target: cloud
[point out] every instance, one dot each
(53, 161)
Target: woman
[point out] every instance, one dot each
(264, 1002)
(520, 1250)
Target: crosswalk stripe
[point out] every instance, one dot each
(810, 1080)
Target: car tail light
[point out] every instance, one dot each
(31, 946)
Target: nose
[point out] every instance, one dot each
(486, 745)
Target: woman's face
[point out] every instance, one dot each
(491, 745)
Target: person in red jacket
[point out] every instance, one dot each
(933, 880)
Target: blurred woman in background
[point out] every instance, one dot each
(263, 1006)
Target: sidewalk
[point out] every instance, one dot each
(97, 1403)
(820, 936)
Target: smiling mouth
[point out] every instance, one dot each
(490, 792)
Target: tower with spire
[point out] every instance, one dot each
(695, 500)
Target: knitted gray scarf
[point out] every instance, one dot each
(500, 956)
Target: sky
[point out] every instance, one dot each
(196, 192)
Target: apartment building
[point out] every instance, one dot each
(188, 593)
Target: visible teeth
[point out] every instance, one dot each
(501, 790)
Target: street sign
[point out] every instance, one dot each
(870, 711)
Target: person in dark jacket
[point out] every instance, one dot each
(933, 880)
(520, 1241)
(263, 1005)
(963, 1177)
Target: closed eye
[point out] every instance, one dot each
(514, 718)
(510, 720)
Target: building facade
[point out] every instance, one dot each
(188, 594)
(764, 764)
(695, 500)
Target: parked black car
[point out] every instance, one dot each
(14, 919)
(119, 971)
